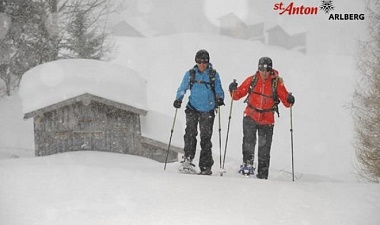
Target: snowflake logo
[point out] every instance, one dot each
(327, 6)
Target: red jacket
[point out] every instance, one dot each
(261, 97)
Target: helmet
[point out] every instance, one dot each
(265, 64)
(202, 55)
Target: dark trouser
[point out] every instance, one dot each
(265, 133)
(206, 123)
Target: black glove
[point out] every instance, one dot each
(233, 86)
(219, 102)
(177, 104)
(290, 99)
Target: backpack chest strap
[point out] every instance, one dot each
(258, 93)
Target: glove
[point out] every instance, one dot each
(219, 102)
(290, 99)
(177, 103)
(233, 86)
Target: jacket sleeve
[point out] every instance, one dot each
(218, 86)
(282, 93)
(242, 90)
(183, 87)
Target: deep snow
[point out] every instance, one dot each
(108, 188)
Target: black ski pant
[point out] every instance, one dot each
(206, 123)
(265, 134)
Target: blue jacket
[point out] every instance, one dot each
(201, 95)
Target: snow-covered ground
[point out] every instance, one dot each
(96, 188)
(90, 188)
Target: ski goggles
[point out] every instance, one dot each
(201, 61)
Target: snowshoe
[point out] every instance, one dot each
(187, 166)
(247, 169)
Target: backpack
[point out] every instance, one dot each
(274, 94)
(211, 74)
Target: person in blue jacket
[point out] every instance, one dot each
(206, 94)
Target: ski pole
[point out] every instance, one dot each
(220, 140)
(170, 139)
(291, 138)
(228, 130)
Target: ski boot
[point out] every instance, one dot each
(187, 166)
(261, 176)
(205, 171)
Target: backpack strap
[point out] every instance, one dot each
(251, 87)
(192, 78)
(211, 75)
(212, 82)
(274, 94)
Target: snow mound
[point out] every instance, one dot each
(59, 80)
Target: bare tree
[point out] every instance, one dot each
(24, 40)
(83, 27)
(39, 31)
(366, 99)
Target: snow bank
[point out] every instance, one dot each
(97, 188)
(59, 80)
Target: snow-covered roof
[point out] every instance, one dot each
(60, 80)
(249, 20)
(290, 30)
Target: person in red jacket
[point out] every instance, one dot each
(264, 89)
